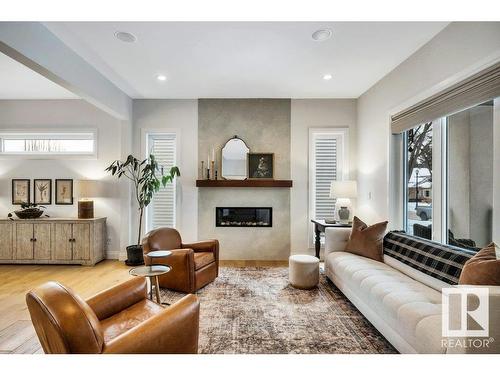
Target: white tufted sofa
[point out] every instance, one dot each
(402, 303)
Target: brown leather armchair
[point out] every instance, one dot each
(194, 265)
(118, 320)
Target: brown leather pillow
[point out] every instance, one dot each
(483, 268)
(367, 241)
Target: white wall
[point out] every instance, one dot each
(63, 114)
(456, 52)
(180, 116)
(305, 114)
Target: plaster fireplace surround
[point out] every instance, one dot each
(264, 125)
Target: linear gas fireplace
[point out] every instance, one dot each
(243, 216)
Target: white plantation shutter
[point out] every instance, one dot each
(161, 211)
(325, 171)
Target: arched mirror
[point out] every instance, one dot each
(234, 159)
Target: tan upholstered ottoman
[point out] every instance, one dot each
(303, 271)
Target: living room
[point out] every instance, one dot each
(236, 187)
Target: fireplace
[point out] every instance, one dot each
(243, 217)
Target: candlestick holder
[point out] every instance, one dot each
(202, 169)
(212, 169)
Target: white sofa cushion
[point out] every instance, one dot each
(411, 308)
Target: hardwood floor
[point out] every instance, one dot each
(17, 334)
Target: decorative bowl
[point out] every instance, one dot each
(29, 213)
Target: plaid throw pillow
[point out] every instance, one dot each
(442, 262)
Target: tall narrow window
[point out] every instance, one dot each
(326, 164)
(418, 180)
(161, 211)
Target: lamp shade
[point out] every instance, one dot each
(343, 189)
(87, 189)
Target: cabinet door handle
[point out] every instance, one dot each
(31, 239)
(34, 239)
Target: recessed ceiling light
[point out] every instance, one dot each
(327, 77)
(161, 77)
(322, 34)
(125, 37)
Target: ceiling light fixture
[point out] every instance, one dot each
(322, 35)
(125, 37)
(161, 77)
(327, 77)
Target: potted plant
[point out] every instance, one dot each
(147, 178)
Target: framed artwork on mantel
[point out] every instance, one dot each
(261, 165)
(64, 191)
(20, 190)
(42, 191)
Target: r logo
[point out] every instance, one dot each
(465, 312)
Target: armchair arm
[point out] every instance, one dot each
(118, 298)
(336, 239)
(182, 275)
(204, 246)
(172, 331)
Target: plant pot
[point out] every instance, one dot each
(135, 256)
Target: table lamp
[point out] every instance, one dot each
(343, 191)
(87, 189)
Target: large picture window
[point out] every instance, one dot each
(449, 178)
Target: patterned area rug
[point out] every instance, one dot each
(255, 310)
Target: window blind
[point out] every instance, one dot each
(325, 171)
(161, 211)
(474, 90)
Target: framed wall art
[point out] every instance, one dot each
(261, 165)
(20, 190)
(42, 191)
(64, 191)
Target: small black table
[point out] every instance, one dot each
(319, 227)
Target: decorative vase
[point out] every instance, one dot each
(135, 256)
(344, 215)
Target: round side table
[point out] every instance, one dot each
(152, 272)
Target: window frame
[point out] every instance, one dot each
(342, 134)
(44, 133)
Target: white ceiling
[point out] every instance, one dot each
(228, 60)
(19, 82)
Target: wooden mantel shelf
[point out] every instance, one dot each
(245, 183)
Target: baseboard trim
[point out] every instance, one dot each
(113, 255)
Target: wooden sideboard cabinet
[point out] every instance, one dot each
(53, 241)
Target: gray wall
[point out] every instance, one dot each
(264, 124)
